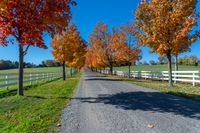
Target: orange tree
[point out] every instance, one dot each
(107, 49)
(69, 48)
(59, 51)
(165, 26)
(26, 20)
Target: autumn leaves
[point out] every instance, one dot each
(27, 20)
(111, 48)
(165, 26)
(69, 48)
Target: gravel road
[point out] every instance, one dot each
(106, 105)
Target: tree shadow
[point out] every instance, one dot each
(47, 97)
(149, 101)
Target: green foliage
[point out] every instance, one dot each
(50, 63)
(188, 60)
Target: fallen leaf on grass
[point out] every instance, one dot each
(58, 125)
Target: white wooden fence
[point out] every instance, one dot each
(7, 80)
(192, 77)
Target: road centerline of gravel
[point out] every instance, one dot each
(106, 105)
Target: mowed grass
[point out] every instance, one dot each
(39, 110)
(157, 68)
(179, 89)
(28, 70)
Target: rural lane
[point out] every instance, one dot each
(106, 105)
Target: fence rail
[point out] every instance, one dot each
(192, 77)
(7, 80)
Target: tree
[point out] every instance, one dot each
(69, 48)
(145, 63)
(107, 49)
(191, 60)
(152, 62)
(133, 49)
(59, 52)
(26, 20)
(165, 26)
(50, 63)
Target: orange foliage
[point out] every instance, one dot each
(108, 49)
(69, 48)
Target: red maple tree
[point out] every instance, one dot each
(26, 21)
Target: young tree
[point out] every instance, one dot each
(59, 52)
(165, 26)
(133, 51)
(69, 48)
(26, 20)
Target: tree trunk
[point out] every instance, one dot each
(176, 62)
(64, 74)
(20, 69)
(129, 70)
(111, 70)
(71, 72)
(170, 69)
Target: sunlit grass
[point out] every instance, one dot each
(39, 110)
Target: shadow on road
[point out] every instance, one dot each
(149, 101)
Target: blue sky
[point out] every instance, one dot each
(85, 16)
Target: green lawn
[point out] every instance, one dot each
(157, 68)
(179, 89)
(39, 110)
(42, 69)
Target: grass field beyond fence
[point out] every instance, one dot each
(157, 68)
(27, 70)
(39, 110)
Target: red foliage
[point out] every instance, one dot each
(26, 20)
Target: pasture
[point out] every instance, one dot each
(28, 70)
(157, 68)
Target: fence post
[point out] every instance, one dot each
(43, 76)
(30, 78)
(6, 80)
(162, 75)
(193, 79)
(37, 76)
(174, 77)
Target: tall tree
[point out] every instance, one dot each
(165, 26)
(107, 49)
(98, 44)
(26, 20)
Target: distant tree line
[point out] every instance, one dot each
(186, 60)
(50, 63)
(7, 64)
